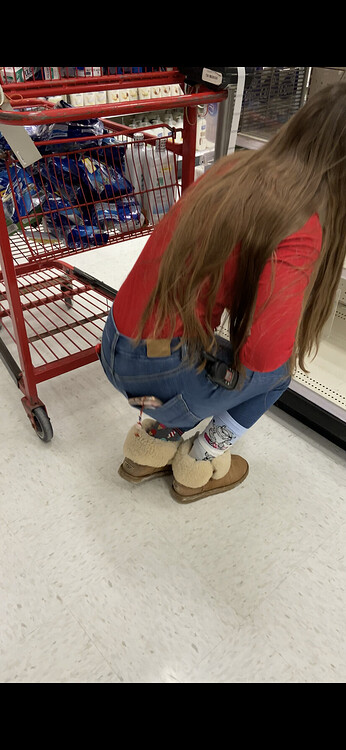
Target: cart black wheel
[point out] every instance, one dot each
(66, 288)
(43, 427)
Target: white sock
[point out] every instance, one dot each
(221, 432)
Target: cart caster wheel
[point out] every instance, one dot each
(42, 424)
(66, 288)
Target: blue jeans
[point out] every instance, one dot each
(188, 396)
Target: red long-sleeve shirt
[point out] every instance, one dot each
(271, 339)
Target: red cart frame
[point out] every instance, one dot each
(53, 313)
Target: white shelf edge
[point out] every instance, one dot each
(318, 400)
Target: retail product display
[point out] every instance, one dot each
(201, 140)
(134, 165)
(159, 177)
(17, 74)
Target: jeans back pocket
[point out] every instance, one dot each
(174, 413)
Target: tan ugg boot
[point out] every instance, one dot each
(145, 456)
(193, 480)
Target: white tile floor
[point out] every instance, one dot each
(102, 581)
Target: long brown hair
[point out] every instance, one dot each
(257, 198)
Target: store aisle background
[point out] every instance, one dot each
(103, 581)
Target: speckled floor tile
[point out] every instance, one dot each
(244, 656)
(26, 599)
(57, 652)
(305, 617)
(154, 617)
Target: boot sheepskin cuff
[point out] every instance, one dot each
(146, 450)
(192, 473)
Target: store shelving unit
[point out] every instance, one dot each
(318, 398)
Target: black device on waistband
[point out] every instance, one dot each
(219, 367)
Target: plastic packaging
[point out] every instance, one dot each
(134, 165)
(73, 130)
(3, 180)
(61, 176)
(179, 123)
(159, 182)
(83, 179)
(169, 120)
(67, 224)
(201, 141)
(110, 151)
(23, 196)
(122, 215)
(105, 181)
(143, 121)
(211, 123)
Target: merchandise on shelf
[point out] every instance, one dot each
(87, 72)
(20, 195)
(124, 215)
(159, 182)
(134, 166)
(17, 74)
(68, 224)
(201, 140)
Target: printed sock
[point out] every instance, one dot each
(161, 432)
(219, 435)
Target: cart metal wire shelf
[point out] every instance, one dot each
(81, 194)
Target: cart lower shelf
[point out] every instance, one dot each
(64, 312)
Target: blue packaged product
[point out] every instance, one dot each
(124, 215)
(105, 181)
(68, 130)
(75, 130)
(63, 176)
(109, 151)
(81, 180)
(22, 197)
(68, 225)
(123, 70)
(3, 144)
(3, 180)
